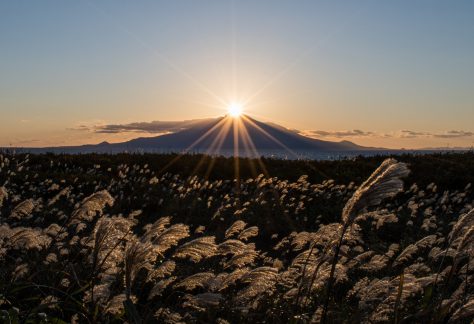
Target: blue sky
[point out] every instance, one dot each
(400, 72)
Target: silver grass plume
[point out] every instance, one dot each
(198, 249)
(231, 278)
(197, 280)
(370, 292)
(28, 238)
(340, 276)
(248, 233)
(466, 244)
(92, 205)
(375, 264)
(244, 258)
(160, 286)
(98, 294)
(299, 240)
(383, 183)
(235, 228)
(216, 283)
(261, 281)
(20, 271)
(23, 209)
(411, 250)
(200, 229)
(115, 304)
(163, 270)
(64, 192)
(106, 241)
(137, 256)
(464, 222)
(234, 247)
(166, 316)
(463, 312)
(167, 238)
(155, 229)
(203, 301)
(305, 258)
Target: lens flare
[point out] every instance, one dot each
(235, 110)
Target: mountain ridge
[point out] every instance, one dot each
(217, 136)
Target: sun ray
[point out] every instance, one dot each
(276, 195)
(216, 106)
(310, 49)
(236, 154)
(234, 46)
(264, 132)
(216, 143)
(248, 138)
(248, 142)
(186, 150)
(160, 55)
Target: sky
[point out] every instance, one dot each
(395, 74)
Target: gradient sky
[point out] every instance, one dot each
(385, 73)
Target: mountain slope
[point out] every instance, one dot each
(221, 135)
(227, 133)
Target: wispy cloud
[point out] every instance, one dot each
(404, 133)
(154, 127)
(454, 134)
(80, 128)
(339, 134)
(411, 134)
(446, 134)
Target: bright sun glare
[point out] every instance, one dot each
(234, 110)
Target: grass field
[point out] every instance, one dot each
(177, 239)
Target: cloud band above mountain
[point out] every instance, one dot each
(164, 127)
(154, 127)
(356, 133)
(340, 134)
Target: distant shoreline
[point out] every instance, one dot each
(273, 154)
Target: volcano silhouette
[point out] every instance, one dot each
(225, 135)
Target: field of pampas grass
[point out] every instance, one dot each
(82, 241)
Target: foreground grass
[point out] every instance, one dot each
(99, 238)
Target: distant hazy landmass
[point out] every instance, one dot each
(226, 136)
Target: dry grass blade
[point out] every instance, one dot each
(3, 195)
(399, 297)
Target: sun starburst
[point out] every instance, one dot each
(235, 110)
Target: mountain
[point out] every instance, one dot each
(220, 136)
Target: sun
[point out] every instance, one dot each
(235, 110)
